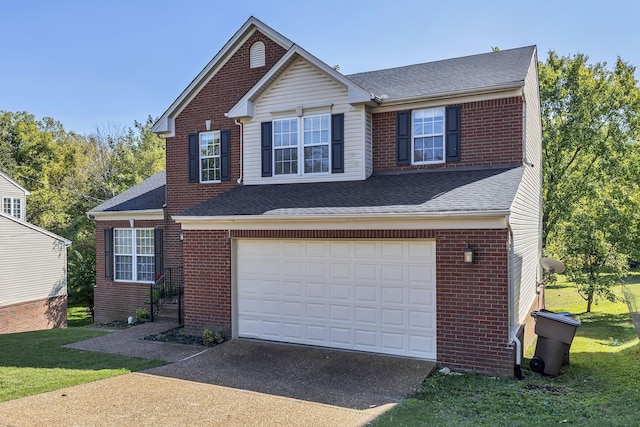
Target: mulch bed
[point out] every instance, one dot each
(176, 335)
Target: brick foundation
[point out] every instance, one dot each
(35, 315)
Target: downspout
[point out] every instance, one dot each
(239, 123)
(524, 133)
(517, 370)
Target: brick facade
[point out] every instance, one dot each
(215, 99)
(43, 313)
(117, 300)
(472, 300)
(490, 135)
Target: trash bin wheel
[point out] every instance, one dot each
(537, 364)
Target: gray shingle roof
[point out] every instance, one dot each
(449, 76)
(149, 194)
(424, 192)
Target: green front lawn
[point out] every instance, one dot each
(35, 362)
(601, 386)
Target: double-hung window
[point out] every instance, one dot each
(428, 136)
(301, 145)
(133, 250)
(12, 206)
(210, 167)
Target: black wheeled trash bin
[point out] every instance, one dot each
(555, 333)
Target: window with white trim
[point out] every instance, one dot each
(301, 145)
(428, 136)
(210, 156)
(12, 206)
(134, 258)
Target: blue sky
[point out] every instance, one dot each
(103, 64)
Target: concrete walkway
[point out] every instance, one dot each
(241, 382)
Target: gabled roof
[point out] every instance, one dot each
(11, 181)
(430, 191)
(4, 216)
(147, 196)
(165, 124)
(244, 107)
(469, 74)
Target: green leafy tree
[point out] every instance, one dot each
(591, 129)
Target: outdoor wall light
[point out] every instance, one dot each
(468, 255)
(181, 237)
(207, 123)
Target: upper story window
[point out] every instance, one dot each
(133, 250)
(12, 206)
(428, 139)
(256, 55)
(210, 156)
(301, 145)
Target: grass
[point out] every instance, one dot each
(35, 362)
(601, 386)
(78, 316)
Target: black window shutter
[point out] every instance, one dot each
(225, 155)
(267, 149)
(193, 157)
(337, 143)
(403, 138)
(157, 252)
(453, 133)
(108, 253)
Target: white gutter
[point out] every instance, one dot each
(143, 214)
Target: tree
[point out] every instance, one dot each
(590, 120)
(69, 174)
(591, 133)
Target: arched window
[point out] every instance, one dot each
(257, 55)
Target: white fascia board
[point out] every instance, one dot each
(139, 215)
(164, 125)
(439, 220)
(482, 94)
(244, 107)
(36, 228)
(11, 181)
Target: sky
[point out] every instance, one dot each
(97, 64)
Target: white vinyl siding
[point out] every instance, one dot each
(526, 216)
(367, 295)
(33, 264)
(303, 85)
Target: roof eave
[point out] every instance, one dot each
(488, 219)
(36, 228)
(453, 94)
(140, 215)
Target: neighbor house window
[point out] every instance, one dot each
(133, 251)
(210, 156)
(301, 145)
(12, 206)
(428, 136)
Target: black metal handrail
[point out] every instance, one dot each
(167, 289)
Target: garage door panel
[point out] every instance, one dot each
(366, 295)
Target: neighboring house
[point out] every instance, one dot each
(33, 266)
(311, 207)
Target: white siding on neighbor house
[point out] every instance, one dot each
(33, 265)
(526, 213)
(304, 85)
(8, 189)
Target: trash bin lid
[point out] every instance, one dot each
(558, 317)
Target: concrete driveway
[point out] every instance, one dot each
(241, 382)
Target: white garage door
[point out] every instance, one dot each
(366, 295)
